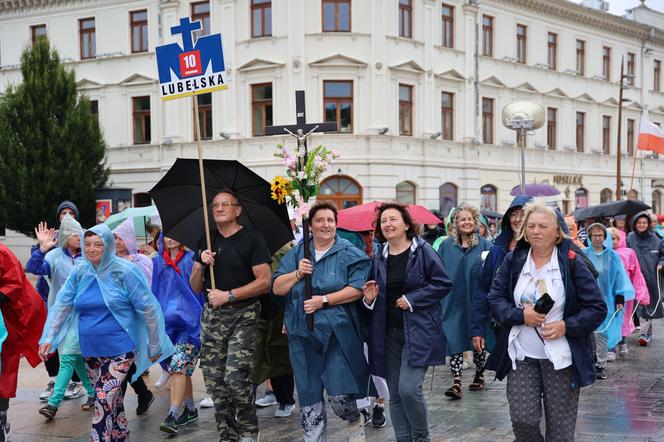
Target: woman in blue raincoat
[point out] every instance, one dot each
(616, 288)
(119, 321)
(182, 309)
(331, 357)
(462, 255)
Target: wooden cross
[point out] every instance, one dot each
(301, 122)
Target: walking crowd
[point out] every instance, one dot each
(540, 301)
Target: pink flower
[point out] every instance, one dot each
(301, 175)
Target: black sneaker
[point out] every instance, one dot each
(48, 411)
(4, 427)
(169, 425)
(144, 403)
(600, 372)
(378, 419)
(187, 417)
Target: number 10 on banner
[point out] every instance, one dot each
(190, 64)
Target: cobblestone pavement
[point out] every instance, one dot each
(629, 406)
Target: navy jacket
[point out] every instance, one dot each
(585, 309)
(426, 283)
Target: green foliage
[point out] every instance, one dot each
(51, 146)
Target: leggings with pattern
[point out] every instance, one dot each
(456, 363)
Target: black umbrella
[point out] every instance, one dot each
(492, 214)
(178, 199)
(613, 208)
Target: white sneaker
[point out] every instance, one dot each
(46, 394)
(74, 390)
(253, 438)
(207, 403)
(163, 379)
(266, 401)
(611, 356)
(285, 411)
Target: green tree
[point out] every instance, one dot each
(51, 146)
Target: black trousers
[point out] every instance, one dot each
(139, 386)
(52, 365)
(283, 388)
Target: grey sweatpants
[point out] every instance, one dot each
(535, 380)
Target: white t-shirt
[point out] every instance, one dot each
(320, 253)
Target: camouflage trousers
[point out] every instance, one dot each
(228, 344)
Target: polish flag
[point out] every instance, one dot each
(651, 137)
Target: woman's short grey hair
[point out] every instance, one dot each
(537, 207)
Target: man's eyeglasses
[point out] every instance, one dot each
(224, 204)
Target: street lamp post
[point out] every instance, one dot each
(619, 144)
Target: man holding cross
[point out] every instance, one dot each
(240, 261)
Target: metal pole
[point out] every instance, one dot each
(619, 144)
(523, 160)
(197, 131)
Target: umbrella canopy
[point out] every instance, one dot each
(536, 189)
(361, 218)
(141, 216)
(613, 208)
(491, 214)
(178, 198)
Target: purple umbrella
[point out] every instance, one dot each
(536, 189)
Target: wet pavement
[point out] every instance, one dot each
(628, 406)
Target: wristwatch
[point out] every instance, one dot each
(326, 303)
(231, 297)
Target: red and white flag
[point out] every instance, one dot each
(651, 137)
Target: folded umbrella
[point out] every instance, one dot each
(360, 218)
(178, 198)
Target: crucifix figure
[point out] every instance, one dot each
(301, 131)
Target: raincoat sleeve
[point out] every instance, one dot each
(61, 313)
(288, 263)
(37, 264)
(501, 298)
(638, 281)
(622, 285)
(145, 265)
(358, 266)
(11, 282)
(436, 282)
(479, 303)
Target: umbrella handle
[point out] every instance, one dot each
(307, 278)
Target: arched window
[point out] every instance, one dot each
(581, 198)
(447, 197)
(657, 201)
(489, 197)
(406, 192)
(605, 195)
(632, 195)
(342, 190)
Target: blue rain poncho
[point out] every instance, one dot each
(613, 281)
(181, 306)
(3, 336)
(127, 296)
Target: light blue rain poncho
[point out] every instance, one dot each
(613, 281)
(127, 296)
(3, 336)
(59, 262)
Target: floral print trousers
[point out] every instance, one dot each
(106, 374)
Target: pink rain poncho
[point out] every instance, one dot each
(126, 232)
(631, 263)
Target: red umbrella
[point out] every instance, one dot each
(361, 218)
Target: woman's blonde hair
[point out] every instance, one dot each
(454, 228)
(613, 231)
(536, 207)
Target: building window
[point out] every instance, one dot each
(36, 32)
(606, 63)
(553, 51)
(487, 120)
(657, 71)
(336, 15)
(581, 198)
(86, 31)
(551, 124)
(447, 198)
(94, 108)
(487, 35)
(605, 195)
(205, 115)
(138, 25)
(448, 25)
(343, 191)
(656, 203)
(630, 137)
(141, 117)
(406, 192)
(200, 11)
(261, 18)
(489, 197)
(447, 105)
(521, 40)
(261, 108)
(580, 131)
(406, 18)
(405, 109)
(580, 57)
(338, 103)
(631, 66)
(606, 134)
(632, 195)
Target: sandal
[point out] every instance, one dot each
(89, 404)
(454, 391)
(478, 383)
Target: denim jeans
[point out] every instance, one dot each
(408, 410)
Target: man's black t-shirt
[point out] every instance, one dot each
(235, 257)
